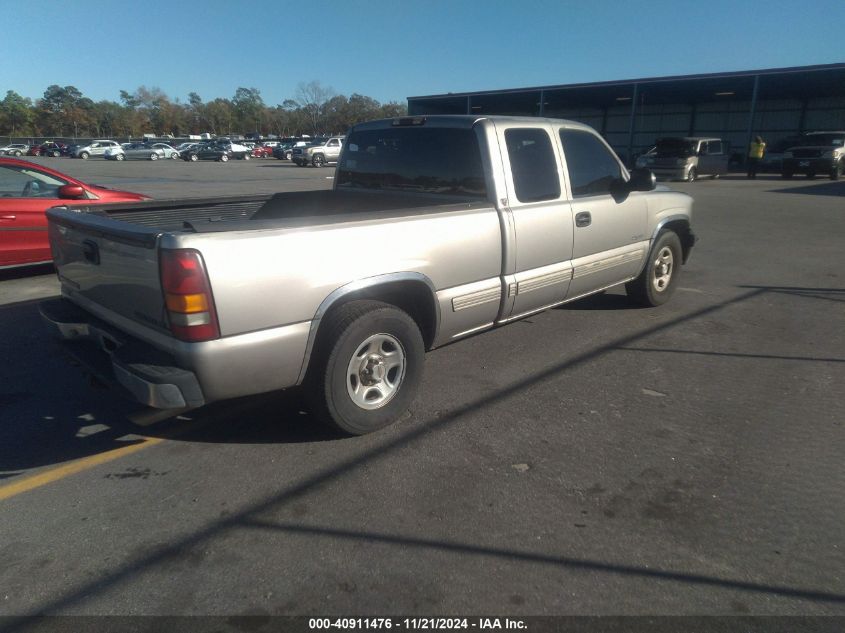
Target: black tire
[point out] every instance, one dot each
(245, 156)
(836, 172)
(56, 153)
(84, 155)
(153, 156)
(120, 156)
(343, 336)
(692, 174)
(194, 158)
(223, 158)
(318, 160)
(646, 289)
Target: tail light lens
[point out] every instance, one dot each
(187, 295)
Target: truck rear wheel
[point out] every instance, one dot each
(366, 368)
(659, 278)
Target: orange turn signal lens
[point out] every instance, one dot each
(187, 304)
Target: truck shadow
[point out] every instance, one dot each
(51, 413)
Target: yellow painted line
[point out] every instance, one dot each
(54, 474)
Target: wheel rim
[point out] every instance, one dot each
(691, 174)
(664, 265)
(376, 371)
(318, 161)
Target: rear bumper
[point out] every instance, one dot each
(150, 376)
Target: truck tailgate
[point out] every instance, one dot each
(110, 263)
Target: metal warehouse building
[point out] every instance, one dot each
(631, 114)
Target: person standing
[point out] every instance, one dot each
(755, 155)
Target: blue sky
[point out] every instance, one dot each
(393, 50)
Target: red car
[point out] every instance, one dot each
(262, 151)
(27, 190)
(47, 149)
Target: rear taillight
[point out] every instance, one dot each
(187, 295)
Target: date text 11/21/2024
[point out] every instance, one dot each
(415, 623)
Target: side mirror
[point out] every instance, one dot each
(71, 192)
(642, 179)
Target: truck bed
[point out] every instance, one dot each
(204, 215)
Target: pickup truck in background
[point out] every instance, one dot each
(318, 154)
(815, 153)
(437, 227)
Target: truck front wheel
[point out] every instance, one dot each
(367, 367)
(318, 160)
(659, 278)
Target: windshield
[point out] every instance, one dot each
(431, 160)
(823, 140)
(675, 147)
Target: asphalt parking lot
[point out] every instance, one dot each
(595, 459)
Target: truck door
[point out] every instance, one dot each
(610, 241)
(541, 217)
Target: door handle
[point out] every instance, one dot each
(8, 217)
(583, 219)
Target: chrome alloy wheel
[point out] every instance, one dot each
(376, 371)
(664, 265)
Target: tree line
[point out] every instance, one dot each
(64, 111)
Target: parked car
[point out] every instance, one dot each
(817, 153)
(318, 154)
(14, 149)
(262, 151)
(284, 151)
(135, 151)
(52, 149)
(94, 148)
(169, 151)
(27, 190)
(689, 158)
(436, 228)
(207, 151)
(234, 148)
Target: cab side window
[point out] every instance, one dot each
(533, 164)
(714, 148)
(592, 167)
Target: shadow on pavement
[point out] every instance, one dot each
(830, 188)
(253, 516)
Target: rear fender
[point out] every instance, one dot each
(412, 292)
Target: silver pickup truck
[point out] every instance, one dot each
(437, 227)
